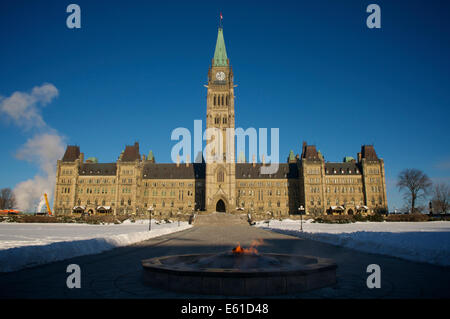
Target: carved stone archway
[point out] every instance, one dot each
(220, 206)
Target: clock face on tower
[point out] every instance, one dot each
(220, 76)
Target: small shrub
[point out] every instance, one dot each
(334, 219)
(375, 218)
(358, 217)
(408, 218)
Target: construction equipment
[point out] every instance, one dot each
(49, 211)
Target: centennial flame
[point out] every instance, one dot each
(251, 250)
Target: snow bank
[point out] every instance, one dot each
(28, 245)
(416, 241)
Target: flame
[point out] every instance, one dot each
(251, 250)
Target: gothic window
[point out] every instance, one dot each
(278, 204)
(224, 120)
(222, 100)
(220, 177)
(129, 202)
(214, 100)
(228, 100)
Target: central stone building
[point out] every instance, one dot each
(135, 182)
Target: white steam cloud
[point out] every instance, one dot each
(42, 149)
(22, 108)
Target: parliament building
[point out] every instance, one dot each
(135, 183)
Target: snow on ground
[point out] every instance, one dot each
(417, 241)
(25, 245)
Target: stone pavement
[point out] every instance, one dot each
(118, 273)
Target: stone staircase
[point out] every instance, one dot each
(220, 219)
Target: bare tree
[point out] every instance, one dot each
(416, 185)
(441, 198)
(7, 199)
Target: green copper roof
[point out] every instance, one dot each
(291, 156)
(220, 55)
(92, 159)
(150, 156)
(348, 159)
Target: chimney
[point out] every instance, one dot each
(143, 157)
(187, 160)
(263, 159)
(253, 159)
(359, 157)
(178, 160)
(81, 158)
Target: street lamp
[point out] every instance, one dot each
(270, 217)
(301, 209)
(150, 209)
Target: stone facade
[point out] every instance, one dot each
(135, 182)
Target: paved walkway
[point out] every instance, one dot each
(117, 273)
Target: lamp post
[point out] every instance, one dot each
(270, 217)
(150, 210)
(178, 215)
(301, 209)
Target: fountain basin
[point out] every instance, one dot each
(232, 274)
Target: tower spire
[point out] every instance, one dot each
(220, 54)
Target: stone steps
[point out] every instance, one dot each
(221, 219)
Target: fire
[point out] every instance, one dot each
(251, 250)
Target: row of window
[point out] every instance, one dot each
(342, 171)
(344, 201)
(97, 190)
(343, 190)
(342, 181)
(269, 192)
(269, 204)
(221, 99)
(66, 172)
(97, 181)
(313, 171)
(171, 193)
(164, 184)
(269, 184)
(376, 189)
(217, 120)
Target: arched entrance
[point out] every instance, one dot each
(350, 212)
(220, 206)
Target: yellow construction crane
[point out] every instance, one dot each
(49, 211)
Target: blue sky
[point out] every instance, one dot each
(136, 69)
